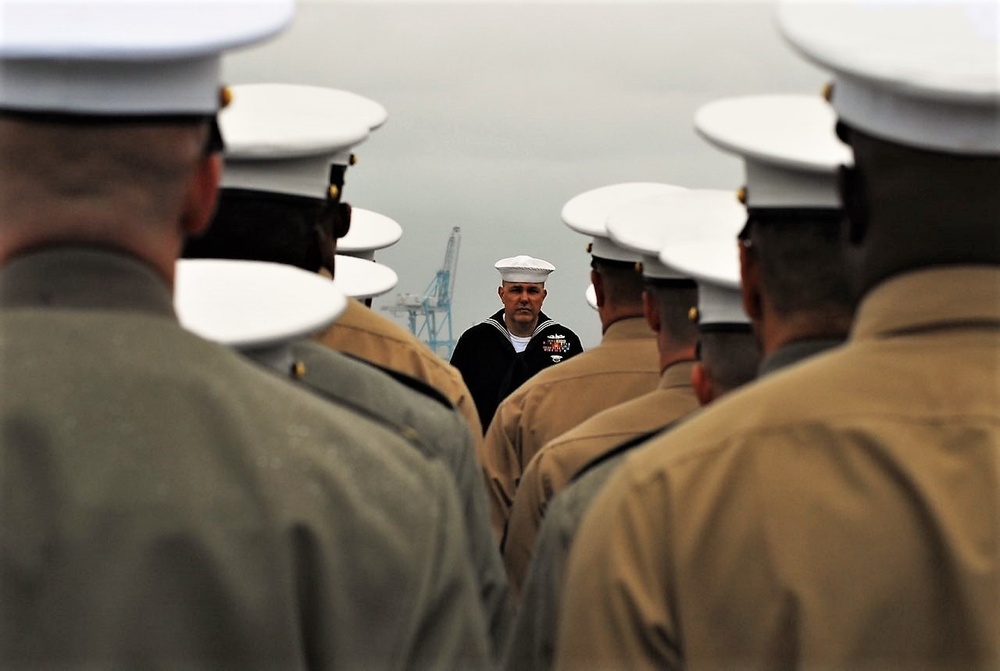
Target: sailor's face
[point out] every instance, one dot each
(522, 301)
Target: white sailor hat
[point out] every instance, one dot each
(284, 138)
(369, 232)
(703, 245)
(588, 212)
(523, 269)
(591, 295)
(253, 305)
(788, 144)
(921, 73)
(361, 279)
(141, 58)
(642, 226)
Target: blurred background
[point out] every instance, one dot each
(500, 112)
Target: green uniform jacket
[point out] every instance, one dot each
(363, 333)
(437, 430)
(559, 460)
(842, 514)
(166, 503)
(623, 366)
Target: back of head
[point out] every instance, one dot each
(804, 270)
(87, 179)
(105, 110)
(261, 226)
(287, 151)
(622, 282)
(923, 118)
(674, 304)
(730, 357)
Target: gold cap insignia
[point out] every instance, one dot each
(225, 97)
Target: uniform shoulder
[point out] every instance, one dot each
(798, 397)
(341, 372)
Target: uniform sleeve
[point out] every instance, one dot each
(450, 631)
(532, 641)
(614, 611)
(467, 406)
(525, 518)
(500, 457)
(494, 590)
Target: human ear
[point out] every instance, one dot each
(750, 284)
(651, 311)
(201, 195)
(701, 383)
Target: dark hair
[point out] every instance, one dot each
(674, 303)
(260, 226)
(623, 281)
(731, 357)
(803, 266)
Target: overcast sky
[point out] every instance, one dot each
(500, 112)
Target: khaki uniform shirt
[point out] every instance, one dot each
(559, 460)
(532, 641)
(842, 514)
(625, 365)
(363, 333)
(438, 431)
(164, 502)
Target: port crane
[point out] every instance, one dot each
(428, 315)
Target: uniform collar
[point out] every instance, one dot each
(794, 352)
(496, 320)
(930, 299)
(83, 278)
(677, 375)
(630, 328)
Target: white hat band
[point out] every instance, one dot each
(719, 304)
(307, 176)
(604, 248)
(771, 186)
(181, 86)
(654, 269)
(942, 125)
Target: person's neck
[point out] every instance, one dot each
(671, 357)
(521, 330)
(612, 313)
(776, 332)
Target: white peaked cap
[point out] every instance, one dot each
(251, 305)
(591, 295)
(788, 144)
(704, 247)
(523, 269)
(361, 279)
(588, 213)
(922, 73)
(282, 138)
(643, 225)
(370, 232)
(125, 57)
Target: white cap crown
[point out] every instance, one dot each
(251, 305)
(125, 58)
(922, 73)
(283, 138)
(588, 213)
(370, 232)
(788, 144)
(523, 268)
